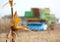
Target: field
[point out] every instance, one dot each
(33, 36)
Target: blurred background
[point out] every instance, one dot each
(23, 8)
(24, 5)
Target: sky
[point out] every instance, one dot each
(25, 5)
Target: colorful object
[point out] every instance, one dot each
(51, 19)
(29, 14)
(37, 26)
(44, 16)
(36, 12)
(45, 10)
(44, 13)
(36, 18)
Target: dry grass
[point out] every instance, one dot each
(39, 36)
(4, 25)
(34, 36)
